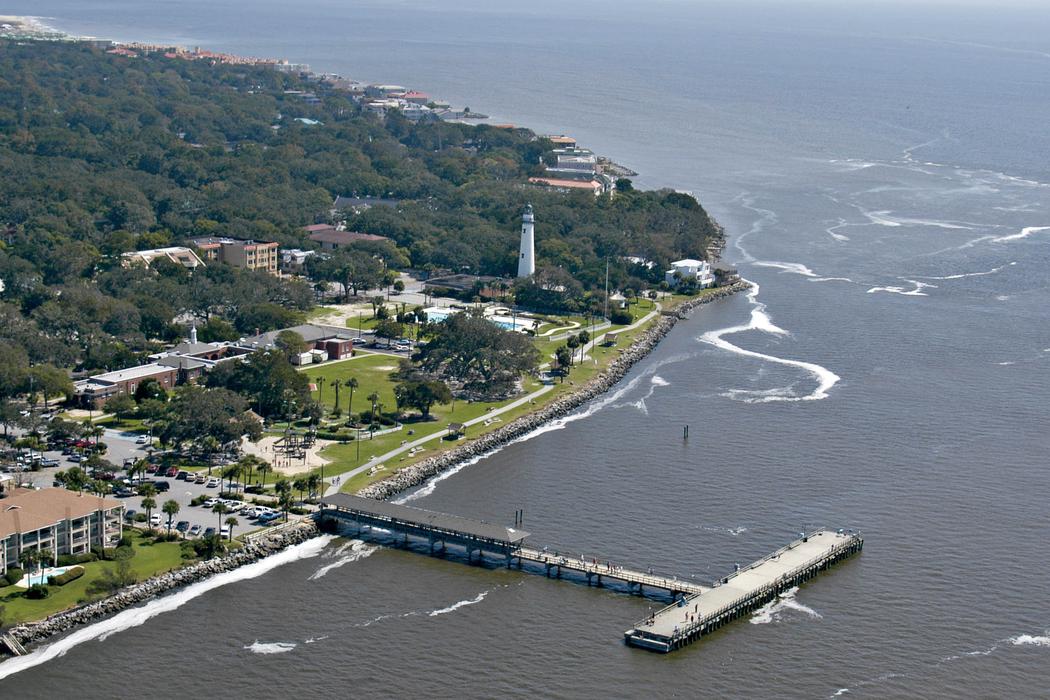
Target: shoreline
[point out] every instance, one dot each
(259, 547)
(421, 472)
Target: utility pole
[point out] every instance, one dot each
(607, 288)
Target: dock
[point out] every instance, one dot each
(738, 593)
(698, 609)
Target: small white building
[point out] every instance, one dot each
(689, 269)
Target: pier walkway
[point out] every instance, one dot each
(742, 591)
(697, 610)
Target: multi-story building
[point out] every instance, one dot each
(176, 254)
(250, 255)
(56, 520)
(695, 270)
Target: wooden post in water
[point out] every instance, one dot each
(685, 433)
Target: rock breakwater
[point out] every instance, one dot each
(419, 473)
(258, 547)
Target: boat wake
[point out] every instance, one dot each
(915, 292)
(133, 617)
(258, 647)
(760, 321)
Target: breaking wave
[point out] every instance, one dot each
(772, 611)
(915, 292)
(258, 647)
(1024, 233)
(352, 551)
(457, 605)
(133, 617)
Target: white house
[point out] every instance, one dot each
(689, 269)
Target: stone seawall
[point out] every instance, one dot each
(419, 473)
(260, 547)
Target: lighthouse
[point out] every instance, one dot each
(527, 254)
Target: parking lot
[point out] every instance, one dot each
(121, 446)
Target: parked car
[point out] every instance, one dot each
(359, 341)
(124, 492)
(200, 478)
(162, 485)
(268, 517)
(224, 532)
(75, 458)
(213, 482)
(183, 475)
(142, 439)
(155, 519)
(182, 525)
(209, 531)
(129, 515)
(210, 503)
(49, 462)
(195, 531)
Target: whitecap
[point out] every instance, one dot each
(1030, 640)
(761, 321)
(355, 550)
(1024, 233)
(961, 275)
(457, 605)
(831, 279)
(795, 268)
(258, 647)
(133, 617)
(314, 640)
(885, 218)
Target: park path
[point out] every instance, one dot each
(380, 459)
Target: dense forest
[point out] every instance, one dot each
(103, 154)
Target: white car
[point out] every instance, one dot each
(211, 502)
(154, 519)
(224, 532)
(142, 439)
(212, 483)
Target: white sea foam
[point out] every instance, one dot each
(352, 551)
(760, 321)
(1030, 640)
(831, 279)
(457, 605)
(258, 647)
(133, 617)
(833, 230)
(773, 610)
(960, 276)
(795, 268)
(1024, 233)
(314, 640)
(655, 382)
(885, 218)
(915, 292)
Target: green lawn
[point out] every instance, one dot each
(148, 561)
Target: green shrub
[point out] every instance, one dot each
(198, 500)
(13, 576)
(37, 592)
(140, 517)
(74, 559)
(62, 579)
(620, 317)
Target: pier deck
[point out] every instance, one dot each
(597, 571)
(698, 614)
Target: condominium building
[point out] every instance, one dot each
(176, 254)
(250, 255)
(56, 520)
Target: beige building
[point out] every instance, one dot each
(176, 254)
(250, 255)
(60, 521)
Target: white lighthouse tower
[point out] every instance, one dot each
(527, 256)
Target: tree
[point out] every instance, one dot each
(284, 496)
(336, 383)
(148, 504)
(51, 381)
(377, 304)
(374, 398)
(624, 185)
(270, 383)
(197, 413)
(220, 509)
(351, 384)
(300, 485)
(123, 406)
(231, 472)
(399, 286)
(563, 355)
(262, 468)
(170, 508)
(314, 483)
(232, 522)
(389, 329)
(573, 342)
(290, 343)
(422, 395)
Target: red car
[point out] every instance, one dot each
(173, 471)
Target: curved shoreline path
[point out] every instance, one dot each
(376, 461)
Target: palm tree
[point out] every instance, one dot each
(231, 472)
(232, 522)
(262, 468)
(148, 504)
(170, 508)
(374, 398)
(300, 485)
(45, 556)
(314, 483)
(573, 342)
(29, 558)
(221, 509)
(351, 384)
(284, 495)
(336, 383)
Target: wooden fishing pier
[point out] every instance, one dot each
(698, 610)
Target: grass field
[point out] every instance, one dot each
(149, 560)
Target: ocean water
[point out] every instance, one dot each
(882, 175)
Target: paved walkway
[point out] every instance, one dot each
(375, 461)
